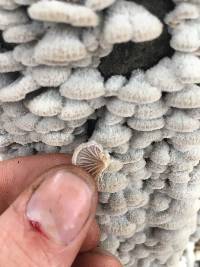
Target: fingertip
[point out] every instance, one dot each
(97, 258)
(92, 238)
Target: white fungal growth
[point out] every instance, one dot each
(46, 104)
(57, 11)
(18, 89)
(138, 136)
(23, 33)
(112, 136)
(137, 90)
(83, 84)
(186, 67)
(8, 63)
(91, 157)
(59, 46)
(10, 18)
(75, 110)
(47, 76)
(189, 97)
(24, 53)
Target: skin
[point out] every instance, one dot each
(20, 245)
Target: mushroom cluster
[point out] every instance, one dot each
(139, 137)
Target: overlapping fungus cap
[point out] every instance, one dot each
(83, 84)
(137, 90)
(47, 104)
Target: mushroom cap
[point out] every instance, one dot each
(111, 182)
(49, 124)
(138, 91)
(186, 67)
(48, 76)
(120, 108)
(179, 121)
(112, 136)
(59, 46)
(75, 110)
(8, 63)
(151, 111)
(23, 33)
(146, 125)
(18, 89)
(27, 122)
(46, 104)
(83, 84)
(189, 97)
(163, 77)
(56, 11)
(57, 138)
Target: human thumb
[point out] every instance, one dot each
(48, 222)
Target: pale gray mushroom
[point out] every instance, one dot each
(47, 104)
(57, 11)
(151, 111)
(47, 76)
(163, 76)
(24, 54)
(18, 89)
(137, 90)
(8, 63)
(27, 122)
(160, 153)
(141, 140)
(185, 37)
(189, 97)
(132, 17)
(75, 110)
(186, 67)
(159, 202)
(5, 139)
(135, 198)
(134, 167)
(182, 12)
(111, 136)
(111, 243)
(10, 18)
(137, 216)
(179, 121)
(8, 4)
(187, 139)
(130, 156)
(83, 84)
(111, 119)
(10, 128)
(146, 125)
(114, 84)
(59, 46)
(49, 124)
(14, 109)
(59, 138)
(117, 204)
(121, 149)
(23, 33)
(120, 108)
(111, 183)
(120, 226)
